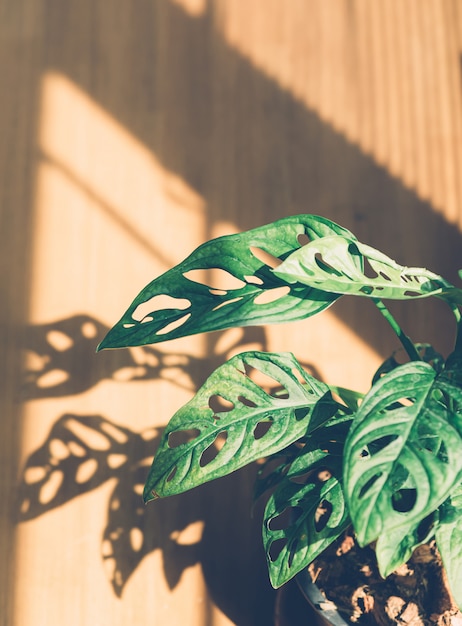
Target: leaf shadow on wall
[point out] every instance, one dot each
(82, 452)
(255, 153)
(60, 358)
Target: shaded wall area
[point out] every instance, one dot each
(130, 134)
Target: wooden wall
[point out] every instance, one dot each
(130, 132)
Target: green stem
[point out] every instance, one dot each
(406, 342)
(457, 315)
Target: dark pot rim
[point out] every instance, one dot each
(318, 601)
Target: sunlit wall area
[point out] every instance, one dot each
(385, 75)
(132, 133)
(107, 219)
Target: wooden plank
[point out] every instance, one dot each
(130, 134)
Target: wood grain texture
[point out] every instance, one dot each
(130, 133)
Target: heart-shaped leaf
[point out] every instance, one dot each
(305, 514)
(339, 264)
(448, 534)
(233, 420)
(185, 301)
(402, 454)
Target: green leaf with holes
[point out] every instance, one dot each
(342, 265)
(304, 516)
(448, 534)
(186, 300)
(233, 420)
(393, 548)
(402, 454)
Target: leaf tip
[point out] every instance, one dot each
(149, 495)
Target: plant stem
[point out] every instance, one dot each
(457, 315)
(406, 342)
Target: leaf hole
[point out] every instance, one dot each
(253, 280)
(322, 515)
(265, 381)
(404, 500)
(219, 404)
(301, 413)
(380, 443)
(180, 437)
(226, 303)
(303, 239)
(212, 451)
(301, 479)
(324, 475)
(367, 289)
(271, 295)
(159, 303)
(385, 276)
(276, 549)
(262, 428)
(292, 551)
(174, 325)
(170, 477)
(324, 266)
(246, 402)
(443, 455)
(411, 294)
(265, 257)
(286, 518)
(369, 484)
(216, 278)
(368, 270)
(404, 402)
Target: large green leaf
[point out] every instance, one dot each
(247, 422)
(181, 302)
(307, 510)
(448, 534)
(403, 452)
(393, 548)
(340, 264)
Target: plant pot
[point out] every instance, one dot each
(325, 611)
(300, 602)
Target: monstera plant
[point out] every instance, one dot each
(387, 463)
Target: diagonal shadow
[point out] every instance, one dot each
(254, 152)
(248, 146)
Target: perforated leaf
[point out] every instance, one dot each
(339, 264)
(393, 548)
(402, 454)
(247, 422)
(186, 299)
(448, 534)
(307, 511)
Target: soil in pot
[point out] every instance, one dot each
(416, 594)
